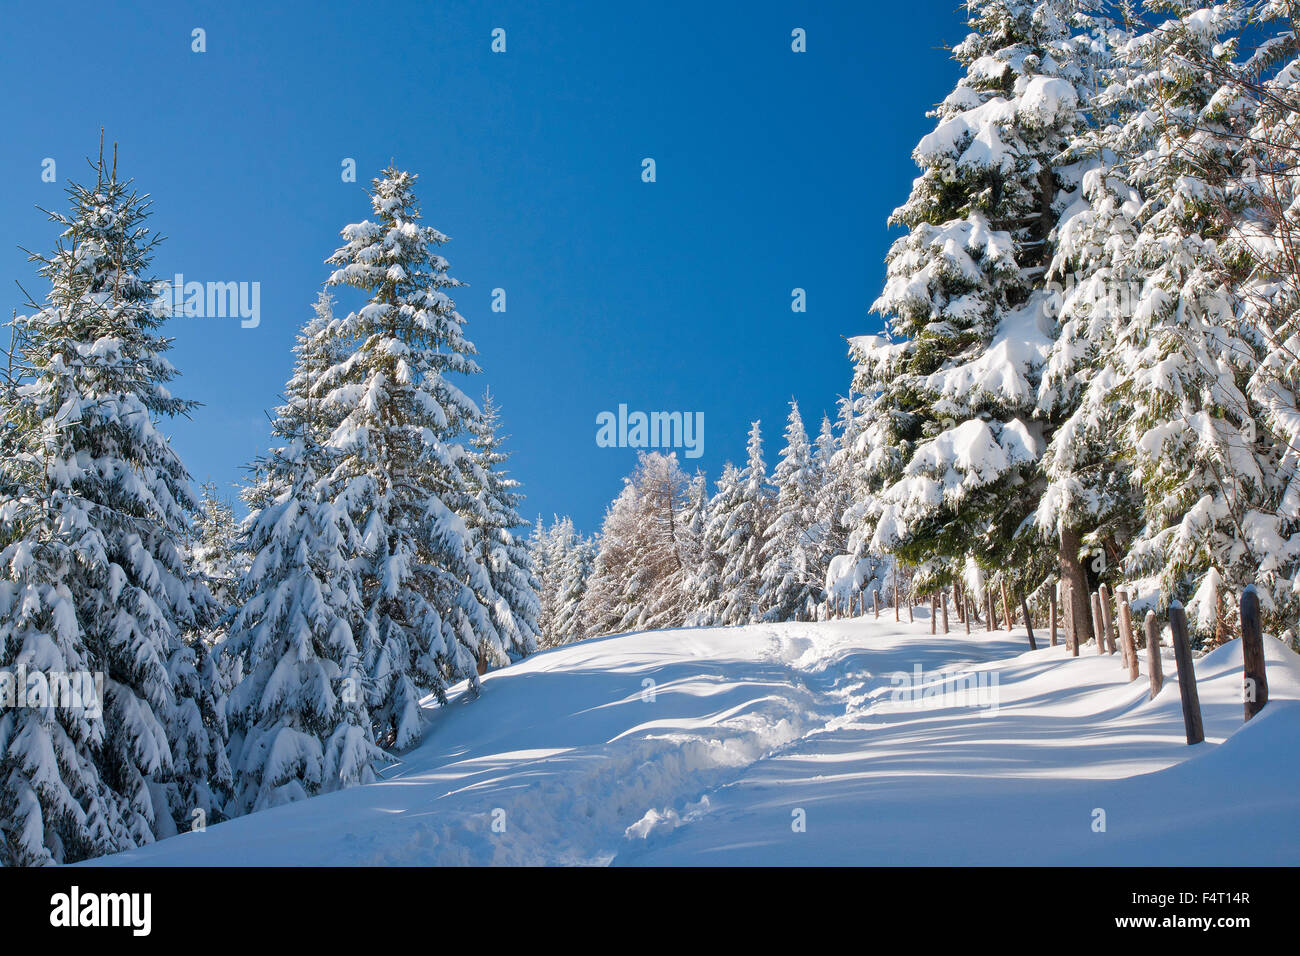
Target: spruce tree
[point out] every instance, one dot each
(1184, 359)
(786, 579)
(950, 393)
(741, 536)
(547, 554)
(492, 515)
(215, 549)
(1264, 257)
(704, 584)
(299, 721)
(96, 507)
(833, 497)
(575, 570)
(398, 468)
(636, 582)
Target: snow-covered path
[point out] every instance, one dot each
(785, 744)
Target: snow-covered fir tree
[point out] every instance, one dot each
(704, 580)
(562, 562)
(1184, 359)
(492, 515)
(1090, 500)
(950, 393)
(570, 619)
(636, 582)
(96, 507)
(738, 527)
(788, 579)
(398, 469)
(691, 542)
(839, 486)
(298, 717)
(215, 549)
(1266, 245)
(547, 557)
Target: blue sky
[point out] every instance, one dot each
(775, 170)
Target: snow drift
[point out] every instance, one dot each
(799, 744)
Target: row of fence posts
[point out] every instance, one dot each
(1112, 625)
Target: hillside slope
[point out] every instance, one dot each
(772, 744)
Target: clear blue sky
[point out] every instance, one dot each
(775, 170)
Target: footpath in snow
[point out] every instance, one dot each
(788, 744)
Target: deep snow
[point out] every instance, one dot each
(745, 731)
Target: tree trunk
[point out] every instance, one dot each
(1029, 626)
(1077, 607)
(1252, 652)
(1051, 612)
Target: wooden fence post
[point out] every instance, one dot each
(945, 611)
(1126, 635)
(1096, 623)
(896, 617)
(1255, 682)
(1186, 675)
(934, 613)
(1051, 613)
(1107, 623)
(1154, 667)
(1067, 608)
(1029, 627)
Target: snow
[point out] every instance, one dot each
(1047, 100)
(699, 746)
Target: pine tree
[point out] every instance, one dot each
(96, 505)
(741, 536)
(704, 583)
(215, 550)
(1264, 251)
(563, 561)
(398, 470)
(492, 515)
(546, 557)
(787, 579)
(1090, 501)
(833, 497)
(950, 393)
(299, 720)
(576, 570)
(1184, 361)
(636, 582)
(691, 544)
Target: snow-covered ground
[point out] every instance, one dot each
(776, 744)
